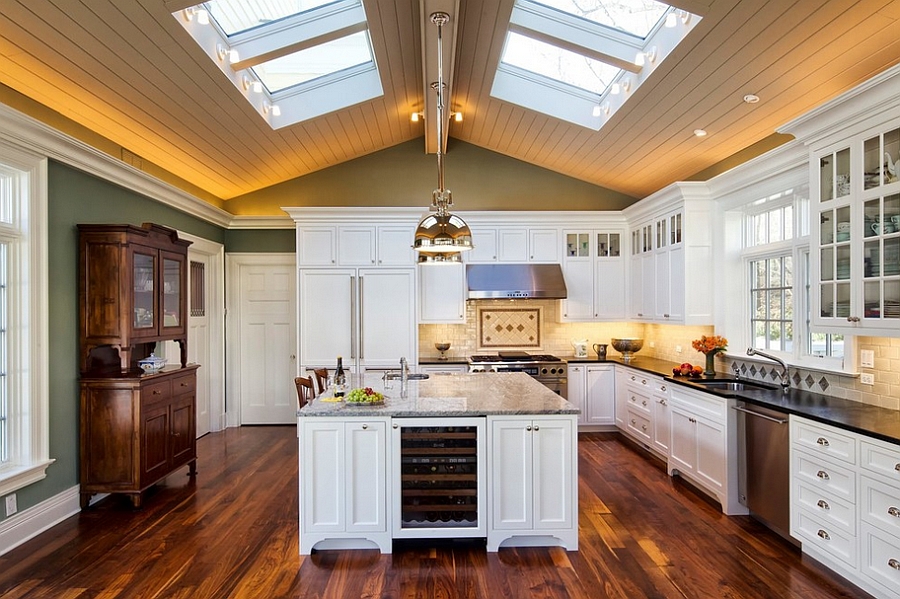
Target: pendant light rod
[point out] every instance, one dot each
(440, 19)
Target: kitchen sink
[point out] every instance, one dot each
(395, 376)
(732, 385)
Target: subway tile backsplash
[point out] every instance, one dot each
(672, 343)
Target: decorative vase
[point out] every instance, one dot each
(710, 364)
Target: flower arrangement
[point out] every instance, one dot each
(710, 345)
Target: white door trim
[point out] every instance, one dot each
(216, 306)
(233, 264)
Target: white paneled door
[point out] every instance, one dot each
(199, 337)
(265, 351)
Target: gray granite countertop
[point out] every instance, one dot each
(480, 394)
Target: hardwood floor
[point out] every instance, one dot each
(233, 533)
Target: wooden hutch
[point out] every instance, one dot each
(136, 427)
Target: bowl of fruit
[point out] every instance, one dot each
(687, 369)
(364, 396)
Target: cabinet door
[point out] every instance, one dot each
(553, 473)
(395, 246)
(601, 395)
(662, 427)
(316, 246)
(609, 289)
(648, 286)
(577, 390)
(174, 298)
(105, 302)
(710, 467)
(387, 316)
(636, 287)
(356, 246)
(183, 429)
(366, 460)
(322, 475)
(543, 245)
(511, 474)
(485, 246)
(155, 442)
(326, 302)
(622, 376)
(442, 293)
(579, 302)
(512, 245)
(662, 284)
(683, 449)
(145, 290)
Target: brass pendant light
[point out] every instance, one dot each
(441, 235)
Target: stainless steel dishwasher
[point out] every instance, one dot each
(764, 482)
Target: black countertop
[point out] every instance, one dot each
(855, 416)
(438, 361)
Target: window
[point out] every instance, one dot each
(579, 60)
(771, 295)
(24, 425)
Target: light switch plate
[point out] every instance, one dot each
(867, 358)
(867, 378)
(11, 507)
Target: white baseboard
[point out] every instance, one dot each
(29, 523)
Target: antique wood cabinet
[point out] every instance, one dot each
(136, 427)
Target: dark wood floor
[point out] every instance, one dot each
(233, 533)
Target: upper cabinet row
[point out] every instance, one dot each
(356, 245)
(856, 232)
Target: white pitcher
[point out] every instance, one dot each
(580, 346)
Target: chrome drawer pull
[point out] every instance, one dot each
(823, 475)
(644, 427)
(663, 388)
(644, 402)
(633, 423)
(823, 442)
(892, 511)
(897, 467)
(824, 535)
(663, 402)
(823, 504)
(894, 564)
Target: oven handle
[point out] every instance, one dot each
(757, 414)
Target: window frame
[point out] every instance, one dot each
(26, 232)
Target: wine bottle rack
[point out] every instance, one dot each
(439, 476)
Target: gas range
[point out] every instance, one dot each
(545, 368)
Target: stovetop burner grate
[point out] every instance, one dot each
(513, 357)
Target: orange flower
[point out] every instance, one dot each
(711, 344)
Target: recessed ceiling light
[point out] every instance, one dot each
(699, 132)
(751, 98)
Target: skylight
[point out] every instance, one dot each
(579, 60)
(292, 59)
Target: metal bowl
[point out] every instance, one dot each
(627, 346)
(442, 346)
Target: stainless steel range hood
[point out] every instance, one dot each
(515, 281)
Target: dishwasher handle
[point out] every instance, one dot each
(757, 414)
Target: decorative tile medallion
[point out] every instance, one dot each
(509, 327)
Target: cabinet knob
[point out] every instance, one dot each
(665, 315)
(176, 434)
(663, 388)
(692, 420)
(157, 392)
(893, 511)
(644, 427)
(365, 426)
(528, 428)
(824, 535)
(894, 564)
(633, 423)
(634, 378)
(644, 403)
(823, 442)
(396, 425)
(537, 428)
(897, 467)
(853, 319)
(823, 504)
(643, 381)
(184, 384)
(663, 402)
(823, 475)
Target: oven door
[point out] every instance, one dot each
(560, 386)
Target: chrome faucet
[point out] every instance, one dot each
(785, 375)
(404, 376)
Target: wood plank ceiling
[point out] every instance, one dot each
(128, 71)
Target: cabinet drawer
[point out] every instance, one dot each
(701, 404)
(824, 440)
(638, 424)
(826, 538)
(880, 505)
(156, 391)
(639, 399)
(639, 380)
(880, 560)
(184, 384)
(829, 509)
(880, 459)
(827, 478)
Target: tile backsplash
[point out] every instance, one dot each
(665, 342)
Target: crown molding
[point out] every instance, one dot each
(29, 133)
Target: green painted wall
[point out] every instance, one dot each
(404, 175)
(261, 240)
(76, 197)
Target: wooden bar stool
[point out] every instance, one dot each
(320, 376)
(305, 391)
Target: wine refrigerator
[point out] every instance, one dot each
(439, 477)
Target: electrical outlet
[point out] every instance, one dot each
(652, 344)
(867, 358)
(677, 349)
(867, 378)
(11, 507)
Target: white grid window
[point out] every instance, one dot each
(4, 353)
(772, 299)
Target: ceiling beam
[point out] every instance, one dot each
(430, 67)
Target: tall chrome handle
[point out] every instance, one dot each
(763, 416)
(362, 330)
(352, 318)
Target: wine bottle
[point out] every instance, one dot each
(340, 379)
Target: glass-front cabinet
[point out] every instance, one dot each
(858, 234)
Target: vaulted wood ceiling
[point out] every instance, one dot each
(128, 71)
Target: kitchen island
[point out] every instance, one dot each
(488, 455)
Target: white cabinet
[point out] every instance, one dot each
(346, 312)
(514, 244)
(660, 422)
(343, 483)
(442, 293)
(543, 245)
(383, 245)
(594, 270)
(601, 394)
(485, 246)
(577, 390)
(317, 246)
(642, 408)
(532, 480)
(845, 503)
(703, 446)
